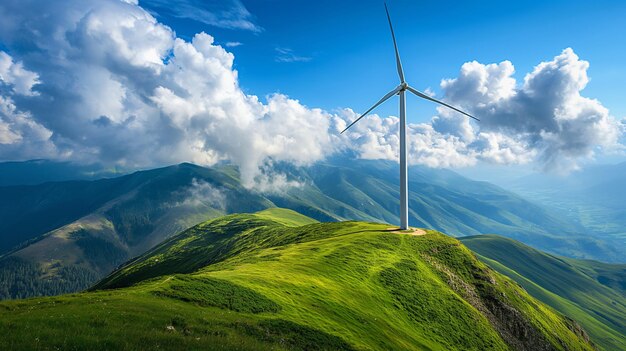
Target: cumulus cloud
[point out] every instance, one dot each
(7, 135)
(18, 130)
(13, 74)
(21, 134)
(377, 138)
(547, 112)
(106, 81)
(544, 119)
(120, 87)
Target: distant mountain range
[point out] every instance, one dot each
(594, 197)
(40, 171)
(277, 280)
(62, 236)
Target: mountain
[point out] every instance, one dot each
(443, 200)
(73, 233)
(133, 204)
(60, 237)
(594, 197)
(591, 292)
(41, 171)
(266, 281)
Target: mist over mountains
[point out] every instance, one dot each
(594, 197)
(73, 232)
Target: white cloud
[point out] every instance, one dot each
(15, 75)
(201, 193)
(428, 91)
(545, 119)
(7, 113)
(233, 44)
(110, 38)
(22, 135)
(377, 138)
(547, 112)
(230, 14)
(288, 55)
(270, 180)
(121, 88)
(18, 130)
(231, 124)
(117, 86)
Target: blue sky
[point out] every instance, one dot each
(156, 82)
(347, 57)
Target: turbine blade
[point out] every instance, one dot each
(395, 46)
(424, 96)
(389, 94)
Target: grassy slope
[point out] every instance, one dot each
(285, 217)
(131, 214)
(444, 201)
(254, 283)
(588, 291)
(122, 217)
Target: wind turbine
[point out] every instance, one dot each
(401, 90)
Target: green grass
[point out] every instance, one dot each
(128, 215)
(590, 292)
(218, 293)
(139, 321)
(285, 217)
(250, 282)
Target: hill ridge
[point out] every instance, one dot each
(307, 270)
(62, 226)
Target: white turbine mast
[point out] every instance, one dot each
(400, 90)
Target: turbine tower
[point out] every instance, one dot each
(401, 90)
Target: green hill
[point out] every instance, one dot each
(271, 281)
(60, 237)
(96, 225)
(591, 292)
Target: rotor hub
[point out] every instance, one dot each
(403, 86)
